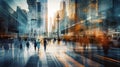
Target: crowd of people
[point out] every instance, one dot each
(85, 41)
(36, 42)
(22, 43)
(99, 41)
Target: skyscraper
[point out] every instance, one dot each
(44, 15)
(32, 18)
(37, 15)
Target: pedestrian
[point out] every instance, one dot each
(27, 44)
(54, 40)
(6, 47)
(86, 42)
(21, 47)
(45, 44)
(35, 45)
(59, 41)
(38, 45)
(105, 44)
(81, 41)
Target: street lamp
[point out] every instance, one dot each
(58, 25)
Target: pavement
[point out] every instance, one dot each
(57, 55)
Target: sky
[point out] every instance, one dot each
(22, 4)
(53, 6)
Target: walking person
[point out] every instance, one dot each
(27, 44)
(21, 44)
(105, 44)
(38, 45)
(6, 47)
(86, 42)
(59, 41)
(45, 44)
(21, 47)
(35, 45)
(54, 40)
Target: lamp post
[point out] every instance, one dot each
(58, 25)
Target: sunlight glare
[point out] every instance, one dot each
(53, 7)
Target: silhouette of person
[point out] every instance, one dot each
(6, 47)
(59, 40)
(54, 40)
(27, 44)
(38, 45)
(21, 47)
(45, 44)
(35, 45)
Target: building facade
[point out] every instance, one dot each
(8, 20)
(13, 18)
(37, 16)
(22, 20)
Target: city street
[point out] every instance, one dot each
(58, 55)
(59, 33)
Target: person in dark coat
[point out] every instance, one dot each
(27, 44)
(45, 44)
(21, 47)
(38, 45)
(6, 47)
(54, 40)
(35, 45)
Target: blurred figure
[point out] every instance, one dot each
(119, 42)
(86, 42)
(27, 44)
(65, 40)
(38, 45)
(98, 42)
(16, 42)
(6, 47)
(81, 41)
(92, 40)
(105, 44)
(59, 40)
(45, 44)
(21, 46)
(35, 45)
(54, 40)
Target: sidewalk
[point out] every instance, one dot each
(14, 56)
(87, 62)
